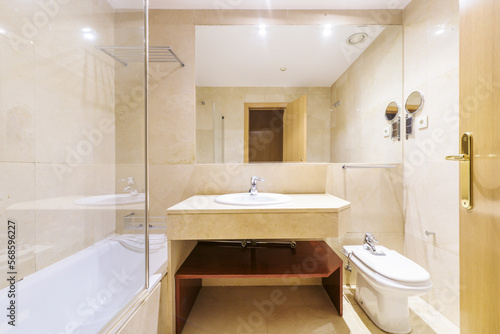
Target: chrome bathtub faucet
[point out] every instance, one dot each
(130, 188)
(254, 180)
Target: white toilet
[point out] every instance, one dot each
(385, 280)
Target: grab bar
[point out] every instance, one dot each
(368, 166)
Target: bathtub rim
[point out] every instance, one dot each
(122, 318)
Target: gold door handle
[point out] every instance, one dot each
(465, 160)
(460, 157)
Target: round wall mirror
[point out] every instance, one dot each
(391, 111)
(414, 102)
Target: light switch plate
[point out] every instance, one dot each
(421, 122)
(387, 131)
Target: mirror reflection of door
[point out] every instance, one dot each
(295, 130)
(265, 135)
(276, 131)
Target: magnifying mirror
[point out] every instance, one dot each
(414, 104)
(391, 111)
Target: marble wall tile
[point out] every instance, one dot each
(172, 93)
(55, 79)
(281, 178)
(129, 113)
(376, 196)
(172, 184)
(56, 243)
(58, 107)
(310, 178)
(431, 183)
(64, 231)
(17, 87)
(18, 186)
(415, 38)
(432, 204)
(444, 269)
(172, 129)
(442, 37)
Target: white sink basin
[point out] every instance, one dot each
(113, 199)
(247, 199)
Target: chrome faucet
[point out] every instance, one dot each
(254, 180)
(130, 188)
(370, 242)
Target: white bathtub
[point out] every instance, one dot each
(81, 293)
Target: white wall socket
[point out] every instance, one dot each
(422, 122)
(387, 131)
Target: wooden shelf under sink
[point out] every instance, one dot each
(209, 260)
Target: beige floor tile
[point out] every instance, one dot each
(256, 295)
(314, 295)
(280, 309)
(349, 293)
(225, 319)
(205, 318)
(418, 325)
(214, 295)
(306, 319)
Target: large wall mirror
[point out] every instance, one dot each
(296, 93)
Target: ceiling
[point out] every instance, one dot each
(262, 4)
(240, 56)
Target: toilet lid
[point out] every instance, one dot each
(391, 265)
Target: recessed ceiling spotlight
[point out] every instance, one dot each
(356, 38)
(282, 69)
(262, 29)
(328, 30)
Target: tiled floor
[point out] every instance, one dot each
(281, 309)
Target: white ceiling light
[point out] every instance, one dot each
(356, 38)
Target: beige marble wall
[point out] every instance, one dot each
(229, 102)
(431, 183)
(57, 115)
(179, 182)
(364, 91)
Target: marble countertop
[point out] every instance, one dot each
(203, 204)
